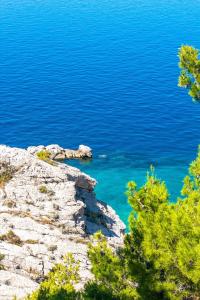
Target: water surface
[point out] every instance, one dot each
(104, 74)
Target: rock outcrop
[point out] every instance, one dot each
(58, 153)
(46, 210)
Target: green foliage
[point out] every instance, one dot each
(1, 258)
(43, 189)
(45, 155)
(163, 243)
(6, 173)
(189, 64)
(112, 280)
(59, 283)
(11, 238)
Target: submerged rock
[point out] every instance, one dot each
(46, 210)
(58, 153)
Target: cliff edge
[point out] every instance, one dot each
(46, 210)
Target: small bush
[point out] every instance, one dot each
(52, 248)
(59, 282)
(11, 238)
(6, 173)
(10, 203)
(43, 154)
(43, 189)
(46, 156)
(1, 258)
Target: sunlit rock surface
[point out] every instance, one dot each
(46, 211)
(59, 153)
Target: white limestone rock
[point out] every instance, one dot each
(56, 149)
(11, 285)
(84, 148)
(59, 153)
(35, 149)
(48, 210)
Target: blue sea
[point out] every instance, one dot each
(104, 74)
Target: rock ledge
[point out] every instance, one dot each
(59, 153)
(46, 211)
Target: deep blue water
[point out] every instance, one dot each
(104, 74)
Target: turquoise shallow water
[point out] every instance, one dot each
(101, 73)
(113, 173)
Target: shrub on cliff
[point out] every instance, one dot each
(45, 155)
(6, 173)
(59, 283)
(2, 256)
(112, 277)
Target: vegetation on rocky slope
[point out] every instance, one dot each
(45, 155)
(6, 173)
(161, 254)
(59, 283)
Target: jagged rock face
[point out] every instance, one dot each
(46, 211)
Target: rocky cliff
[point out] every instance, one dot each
(46, 210)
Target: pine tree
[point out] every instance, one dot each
(189, 64)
